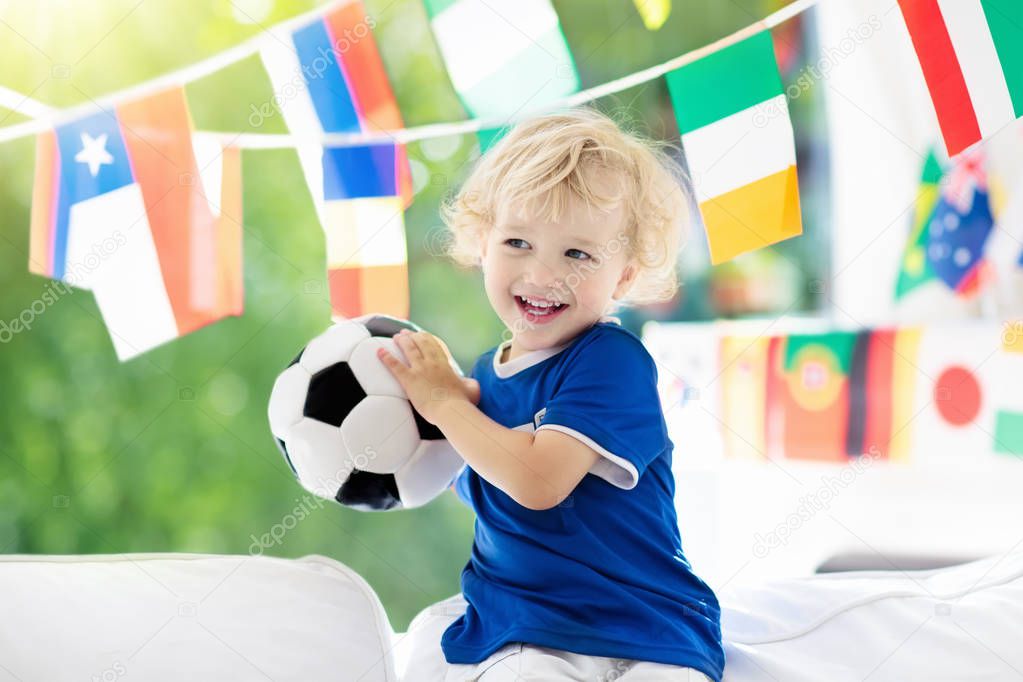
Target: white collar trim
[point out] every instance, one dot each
(506, 369)
(516, 365)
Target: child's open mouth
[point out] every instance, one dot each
(539, 310)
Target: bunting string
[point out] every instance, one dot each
(45, 118)
(15, 101)
(93, 183)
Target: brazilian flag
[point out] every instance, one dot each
(915, 269)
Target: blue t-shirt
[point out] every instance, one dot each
(603, 573)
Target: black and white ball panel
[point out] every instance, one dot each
(333, 393)
(346, 427)
(372, 492)
(427, 431)
(374, 377)
(332, 346)
(287, 400)
(385, 325)
(380, 433)
(371, 373)
(430, 470)
(284, 451)
(319, 456)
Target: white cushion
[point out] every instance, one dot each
(182, 616)
(957, 623)
(189, 617)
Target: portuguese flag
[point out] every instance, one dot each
(971, 53)
(809, 395)
(737, 136)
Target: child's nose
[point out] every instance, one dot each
(540, 274)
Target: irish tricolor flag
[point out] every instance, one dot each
(737, 137)
(971, 52)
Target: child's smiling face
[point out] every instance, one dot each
(574, 267)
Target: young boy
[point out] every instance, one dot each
(577, 570)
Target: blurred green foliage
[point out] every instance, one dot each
(171, 451)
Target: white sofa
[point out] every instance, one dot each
(206, 617)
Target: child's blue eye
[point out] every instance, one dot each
(583, 255)
(509, 242)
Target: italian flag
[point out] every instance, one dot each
(737, 136)
(971, 53)
(503, 57)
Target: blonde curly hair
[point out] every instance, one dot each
(555, 157)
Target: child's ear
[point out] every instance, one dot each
(482, 240)
(626, 280)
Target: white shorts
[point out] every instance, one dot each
(515, 661)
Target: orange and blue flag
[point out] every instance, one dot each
(361, 171)
(329, 78)
(366, 255)
(122, 207)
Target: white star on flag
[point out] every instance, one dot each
(94, 152)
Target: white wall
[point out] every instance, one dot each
(880, 125)
(745, 520)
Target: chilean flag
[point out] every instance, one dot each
(328, 77)
(122, 207)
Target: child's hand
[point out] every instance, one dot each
(429, 380)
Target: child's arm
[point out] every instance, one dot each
(537, 472)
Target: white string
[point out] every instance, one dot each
(23, 104)
(402, 135)
(52, 118)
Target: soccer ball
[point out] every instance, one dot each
(346, 427)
